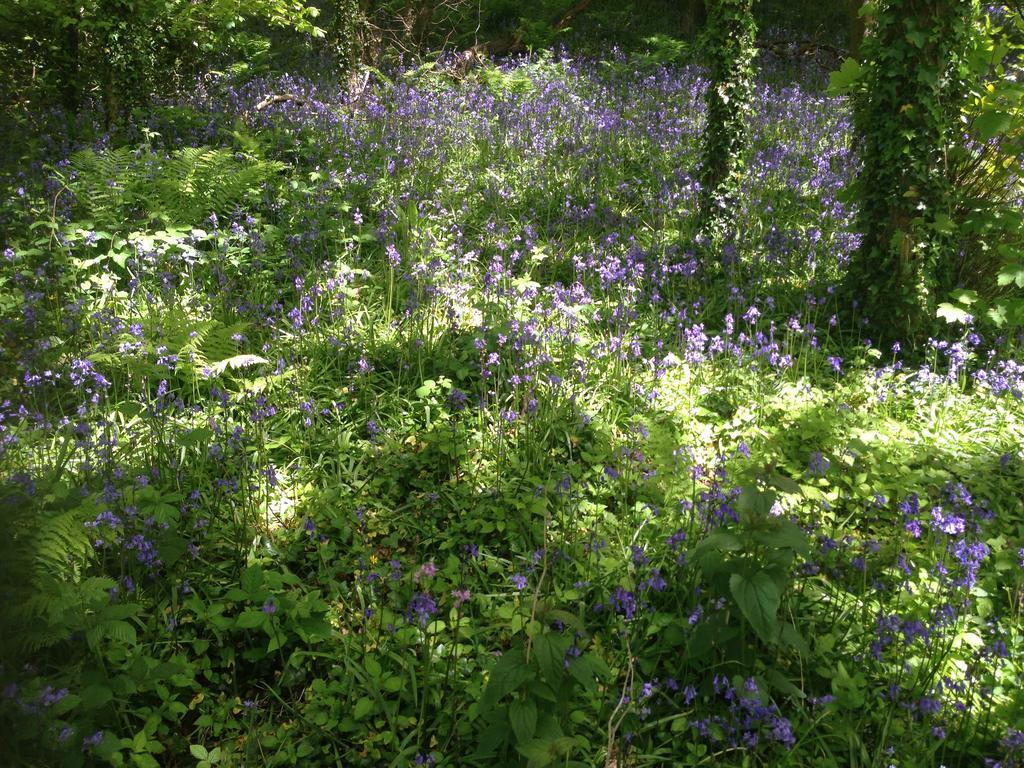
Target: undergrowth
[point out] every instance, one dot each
(421, 430)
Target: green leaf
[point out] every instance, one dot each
(1012, 274)
(758, 598)
(198, 751)
(95, 696)
(171, 548)
(67, 704)
(965, 297)
(584, 672)
(784, 534)
(250, 619)
(510, 672)
(493, 736)
(998, 315)
(721, 541)
(549, 649)
(992, 122)
(918, 38)
(363, 707)
(118, 631)
(196, 436)
(784, 685)
(252, 579)
(843, 80)
(952, 314)
(791, 637)
(785, 484)
(373, 667)
(944, 224)
(571, 619)
(539, 752)
(523, 717)
(755, 502)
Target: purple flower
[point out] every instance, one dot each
(951, 525)
(270, 607)
(518, 581)
(623, 602)
(422, 607)
(89, 742)
(426, 571)
(818, 465)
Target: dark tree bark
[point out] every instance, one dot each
(71, 86)
(694, 16)
(855, 26)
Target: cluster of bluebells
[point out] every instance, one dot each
(957, 524)
(748, 720)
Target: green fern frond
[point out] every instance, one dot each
(62, 541)
(183, 188)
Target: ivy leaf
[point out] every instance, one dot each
(918, 38)
(758, 598)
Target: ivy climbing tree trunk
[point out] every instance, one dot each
(729, 51)
(344, 33)
(907, 116)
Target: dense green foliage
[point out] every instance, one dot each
(909, 117)
(121, 51)
(403, 416)
(729, 50)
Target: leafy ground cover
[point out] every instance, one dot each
(421, 429)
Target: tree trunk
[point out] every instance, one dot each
(343, 27)
(693, 17)
(907, 119)
(71, 86)
(729, 49)
(855, 26)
